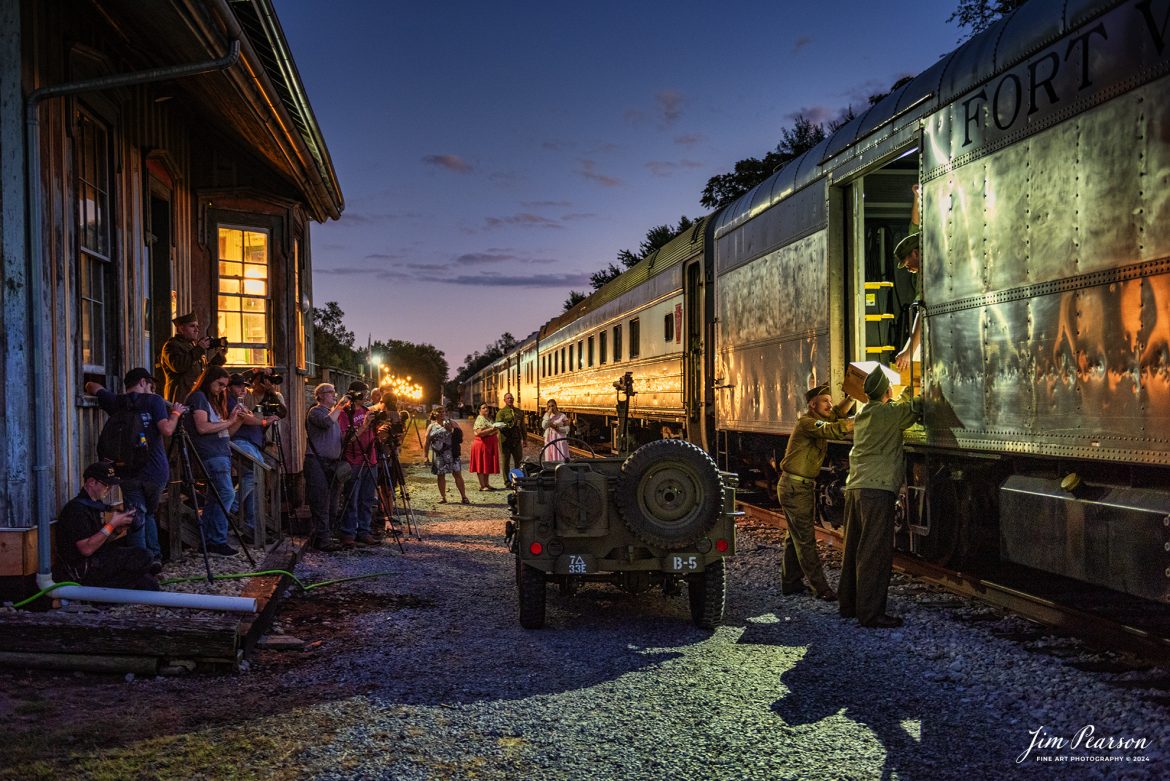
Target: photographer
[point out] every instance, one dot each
(249, 437)
(357, 433)
(263, 395)
(91, 538)
(325, 472)
(142, 484)
(185, 357)
(211, 425)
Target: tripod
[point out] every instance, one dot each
(182, 442)
(277, 442)
(368, 469)
(396, 477)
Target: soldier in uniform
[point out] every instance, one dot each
(185, 356)
(908, 253)
(511, 436)
(876, 474)
(798, 476)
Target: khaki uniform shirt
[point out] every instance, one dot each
(809, 444)
(182, 363)
(514, 431)
(876, 459)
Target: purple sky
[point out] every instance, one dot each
(493, 155)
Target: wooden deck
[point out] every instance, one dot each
(154, 642)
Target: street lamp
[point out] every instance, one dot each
(375, 361)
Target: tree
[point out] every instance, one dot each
(425, 364)
(598, 278)
(332, 341)
(978, 15)
(804, 135)
(575, 297)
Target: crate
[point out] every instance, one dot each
(18, 552)
(856, 372)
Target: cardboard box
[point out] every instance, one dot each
(856, 372)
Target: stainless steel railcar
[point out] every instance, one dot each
(1042, 148)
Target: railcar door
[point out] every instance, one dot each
(698, 411)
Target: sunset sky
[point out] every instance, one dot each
(494, 155)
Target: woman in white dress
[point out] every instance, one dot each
(556, 425)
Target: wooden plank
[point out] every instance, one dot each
(139, 665)
(265, 589)
(149, 634)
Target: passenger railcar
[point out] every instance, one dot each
(1042, 150)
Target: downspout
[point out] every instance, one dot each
(39, 332)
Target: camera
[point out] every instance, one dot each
(268, 408)
(217, 343)
(273, 377)
(355, 396)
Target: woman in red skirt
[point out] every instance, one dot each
(485, 450)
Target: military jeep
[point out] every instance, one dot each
(663, 516)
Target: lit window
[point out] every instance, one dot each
(244, 297)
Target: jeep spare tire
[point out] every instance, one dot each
(669, 493)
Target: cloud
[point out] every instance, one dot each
(670, 105)
(604, 148)
(524, 220)
(450, 162)
(588, 170)
(801, 42)
(578, 216)
(574, 279)
(557, 146)
(818, 115)
(634, 117)
(546, 204)
(690, 139)
(478, 258)
(666, 168)
(382, 256)
(353, 219)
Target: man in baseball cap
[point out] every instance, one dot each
(91, 538)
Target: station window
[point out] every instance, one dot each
(601, 339)
(590, 351)
(94, 245)
(242, 307)
(635, 338)
(668, 328)
(617, 343)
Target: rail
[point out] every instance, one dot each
(1094, 628)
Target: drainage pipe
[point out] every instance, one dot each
(126, 596)
(41, 374)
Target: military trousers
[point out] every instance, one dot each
(801, 559)
(511, 455)
(868, 555)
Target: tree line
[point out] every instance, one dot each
(334, 346)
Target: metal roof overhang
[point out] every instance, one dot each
(260, 101)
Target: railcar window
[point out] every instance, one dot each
(617, 343)
(601, 337)
(580, 355)
(590, 351)
(564, 363)
(668, 328)
(635, 338)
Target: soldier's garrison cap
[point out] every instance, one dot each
(186, 319)
(820, 390)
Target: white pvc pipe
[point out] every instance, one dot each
(127, 596)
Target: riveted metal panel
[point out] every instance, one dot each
(772, 336)
(1006, 217)
(954, 375)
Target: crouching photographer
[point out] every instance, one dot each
(325, 471)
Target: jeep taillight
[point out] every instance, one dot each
(536, 549)
(721, 545)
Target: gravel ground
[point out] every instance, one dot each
(425, 673)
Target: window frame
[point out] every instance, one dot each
(98, 166)
(617, 343)
(635, 336)
(269, 345)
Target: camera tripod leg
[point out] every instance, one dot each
(188, 480)
(223, 508)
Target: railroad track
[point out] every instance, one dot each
(1095, 628)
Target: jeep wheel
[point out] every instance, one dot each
(707, 593)
(669, 493)
(530, 587)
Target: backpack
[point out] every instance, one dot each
(123, 439)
